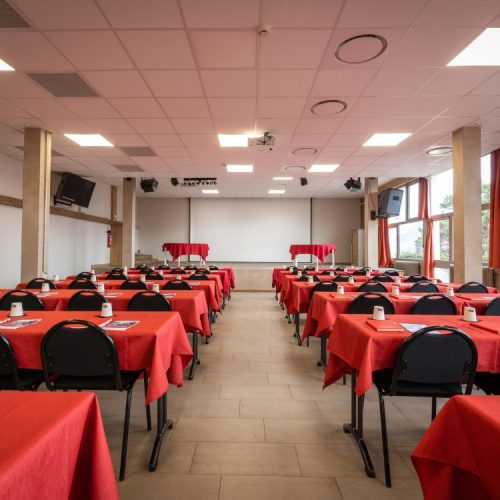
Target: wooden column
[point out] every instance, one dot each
(128, 226)
(371, 226)
(115, 255)
(36, 202)
(467, 204)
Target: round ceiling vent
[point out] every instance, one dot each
(440, 151)
(329, 107)
(361, 48)
(295, 168)
(304, 151)
(279, 185)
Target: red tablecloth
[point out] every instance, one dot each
(457, 458)
(178, 249)
(158, 343)
(320, 251)
(354, 344)
(53, 447)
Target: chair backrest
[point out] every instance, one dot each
(383, 278)
(177, 285)
(472, 287)
(133, 285)
(82, 284)
(424, 287)
(86, 300)
(493, 308)
(149, 301)
(414, 278)
(190, 268)
(364, 304)
(154, 276)
(391, 272)
(295, 272)
(434, 303)
(164, 267)
(118, 269)
(213, 268)
(325, 286)
(292, 268)
(372, 286)
(80, 349)
(310, 268)
(305, 277)
(38, 282)
(143, 269)
(199, 276)
(342, 278)
(84, 275)
(8, 365)
(177, 271)
(359, 272)
(431, 357)
(116, 275)
(326, 272)
(29, 300)
(203, 271)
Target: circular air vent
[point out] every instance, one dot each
(304, 151)
(295, 168)
(329, 107)
(361, 48)
(440, 151)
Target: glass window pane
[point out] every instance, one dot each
(442, 274)
(441, 239)
(485, 178)
(413, 191)
(442, 193)
(485, 230)
(402, 213)
(393, 241)
(411, 240)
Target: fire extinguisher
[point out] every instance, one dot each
(109, 239)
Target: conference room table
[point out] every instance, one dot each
(53, 447)
(320, 250)
(458, 455)
(157, 343)
(178, 249)
(355, 347)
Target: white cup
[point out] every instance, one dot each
(310, 279)
(470, 314)
(100, 287)
(55, 277)
(45, 275)
(332, 274)
(161, 272)
(401, 273)
(156, 287)
(378, 313)
(368, 274)
(434, 281)
(92, 271)
(340, 290)
(397, 280)
(125, 270)
(351, 280)
(45, 287)
(178, 277)
(106, 310)
(152, 268)
(449, 291)
(143, 277)
(346, 269)
(395, 290)
(93, 278)
(16, 309)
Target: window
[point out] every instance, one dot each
(413, 200)
(442, 193)
(485, 205)
(393, 242)
(411, 240)
(441, 239)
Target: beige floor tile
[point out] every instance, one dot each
(265, 408)
(195, 391)
(301, 431)
(304, 378)
(246, 459)
(234, 377)
(375, 489)
(255, 391)
(204, 408)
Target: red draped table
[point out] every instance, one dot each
(319, 251)
(458, 455)
(178, 249)
(53, 447)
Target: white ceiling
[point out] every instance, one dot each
(171, 74)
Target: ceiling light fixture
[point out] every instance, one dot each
(277, 191)
(483, 51)
(5, 67)
(386, 139)
(304, 151)
(239, 168)
(295, 168)
(233, 140)
(329, 107)
(89, 140)
(282, 178)
(353, 185)
(361, 48)
(322, 168)
(439, 151)
(210, 191)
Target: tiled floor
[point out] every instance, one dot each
(255, 423)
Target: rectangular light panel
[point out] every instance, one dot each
(322, 168)
(210, 191)
(239, 168)
(233, 140)
(386, 139)
(483, 51)
(89, 140)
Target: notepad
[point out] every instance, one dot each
(385, 325)
(14, 324)
(120, 325)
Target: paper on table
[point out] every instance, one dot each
(415, 327)
(169, 294)
(47, 294)
(18, 323)
(112, 294)
(120, 325)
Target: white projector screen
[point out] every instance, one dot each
(250, 229)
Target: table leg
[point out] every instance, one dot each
(322, 360)
(163, 425)
(355, 427)
(196, 360)
(297, 328)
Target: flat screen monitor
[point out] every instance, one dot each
(75, 190)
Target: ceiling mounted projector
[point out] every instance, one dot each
(267, 142)
(353, 185)
(149, 185)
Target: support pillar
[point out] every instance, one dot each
(467, 204)
(128, 226)
(36, 202)
(371, 226)
(115, 255)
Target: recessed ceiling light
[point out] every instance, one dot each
(304, 151)
(282, 178)
(361, 48)
(277, 191)
(322, 168)
(295, 168)
(483, 51)
(439, 151)
(233, 140)
(210, 191)
(89, 140)
(239, 168)
(329, 107)
(5, 67)
(386, 139)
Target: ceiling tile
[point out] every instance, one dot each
(171, 152)
(137, 107)
(229, 83)
(293, 49)
(474, 105)
(110, 125)
(490, 87)
(158, 49)
(127, 141)
(318, 125)
(185, 107)
(347, 82)
(68, 126)
(427, 105)
(143, 14)
(13, 84)
(174, 83)
(152, 125)
(285, 83)
(137, 150)
(300, 14)
(150, 161)
(89, 107)
(234, 126)
(221, 13)
(300, 140)
(193, 125)
(224, 49)
(117, 83)
(200, 140)
(446, 124)
(376, 106)
(166, 140)
(399, 82)
(275, 125)
(358, 126)
(43, 108)
(456, 81)
(290, 107)
(91, 49)
(232, 107)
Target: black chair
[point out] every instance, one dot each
(149, 301)
(203, 271)
(309, 268)
(84, 275)
(424, 287)
(29, 300)
(116, 275)
(434, 303)
(131, 284)
(493, 308)
(292, 268)
(177, 271)
(488, 382)
(86, 300)
(12, 377)
(154, 276)
(143, 268)
(364, 304)
(372, 286)
(164, 267)
(428, 364)
(414, 278)
(324, 286)
(198, 277)
(305, 277)
(343, 278)
(177, 285)
(82, 284)
(38, 282)
(213, 268)
(361, 272)
(391, 272)
(117, 270)
(326, 272)
(383, 278)
(472, 287)
(78, 355)
(190, 268)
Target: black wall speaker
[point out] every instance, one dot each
(389, 203)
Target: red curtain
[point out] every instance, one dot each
(384, 251)
(424, 214)
(494, 246)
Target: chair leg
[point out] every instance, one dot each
(385, 443)
(123, 462)
(434, 404)
(148, 409)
